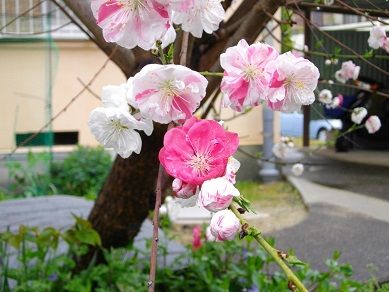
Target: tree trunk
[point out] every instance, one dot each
(128, 194)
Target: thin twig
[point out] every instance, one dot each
(184, 48)
(88, 88)
(37, 32)
(154, 245)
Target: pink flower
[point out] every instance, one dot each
(377, 37)
(183, 190)
(217, 194)
(196, 240)
(224, 225)
(197, 151)
(348, 71)
(197, 16)
(336, 102)
(166, 93)
(132, 23)
(293, 83)
(246, 76)
(373, 124)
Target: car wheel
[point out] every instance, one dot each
(322, 135)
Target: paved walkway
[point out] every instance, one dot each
(367, 157)
(352, 223)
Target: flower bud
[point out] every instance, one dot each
(298, 169)
(224, 225)
(358, 114)
(183, 190)
(373, 124)
(217, 194)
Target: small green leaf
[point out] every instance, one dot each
(294, 261)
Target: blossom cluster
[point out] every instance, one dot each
(358, 114)
(198, 155)
(132, 23)
(330, 101)
(258, 73)
(372, 123)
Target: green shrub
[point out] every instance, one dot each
(228, 266)
(82, 172)
(31, 179)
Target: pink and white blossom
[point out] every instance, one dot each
(165, 93)
(183, 190)
(208, 235)
(115, 128)
(377, 37)
(216, 194)
(348, 71)
(131, 23)
(373, 124)
(358, 114)
(232, 168)
(293, 83)
(224, 225)
(297, 169)
(336, 102)
(247, 75)
(197, 151)
(198, 16)
(325, 96)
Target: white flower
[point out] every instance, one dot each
(327, 62)
(168, 38)
(298, 169)
(358, 114)
(377, 37)
(115, 96)
(325, 96)
(373, 124)
(202, 15)
(280, 150)
(217, 194)
(328, 2)
(115, 128)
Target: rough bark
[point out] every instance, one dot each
(128, 193)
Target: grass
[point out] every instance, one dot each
(271, 194)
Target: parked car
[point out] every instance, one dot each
(292, 125)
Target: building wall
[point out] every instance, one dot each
(31, 72)
(26, 86)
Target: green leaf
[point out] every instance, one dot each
(294, 261)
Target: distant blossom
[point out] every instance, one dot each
(373, 124)
(358, 114)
